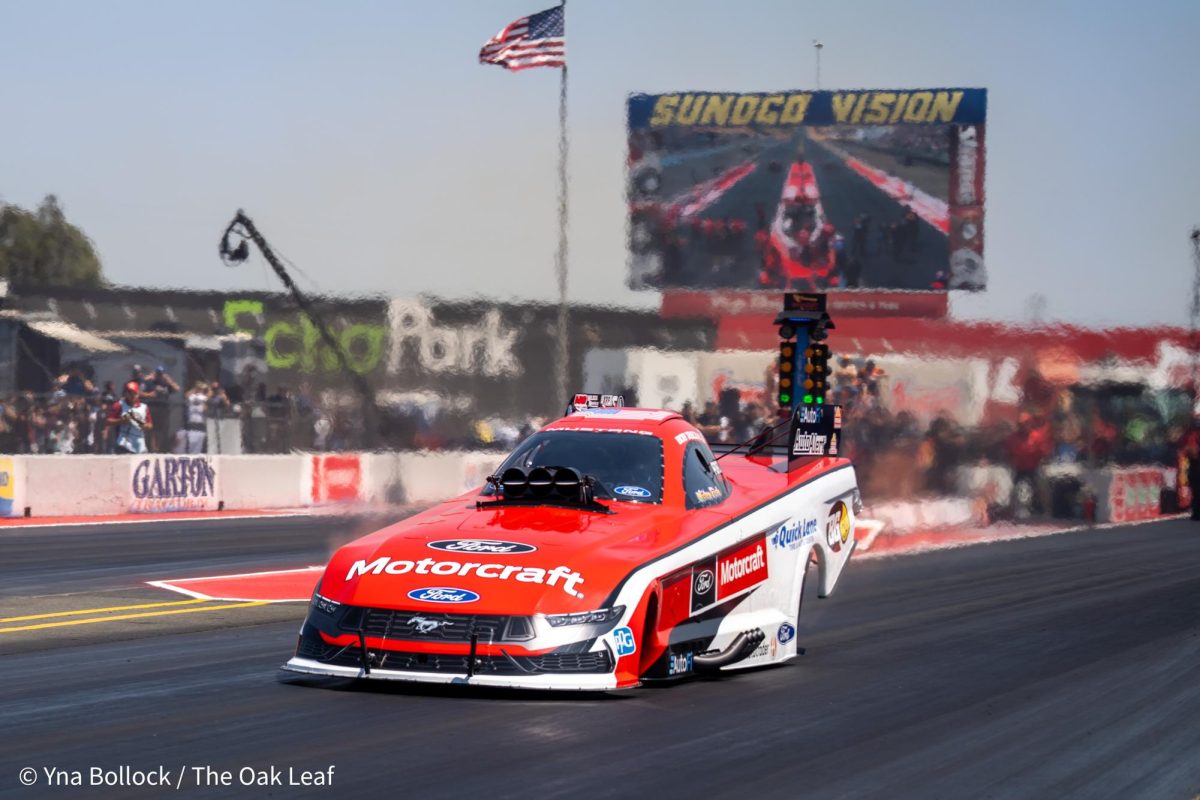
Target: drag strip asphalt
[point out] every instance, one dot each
(84, 558)
(1058, 666)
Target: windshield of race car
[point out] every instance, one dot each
(627, 466)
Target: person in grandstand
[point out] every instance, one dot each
(131, 418)
(160, 384)
(191, 437)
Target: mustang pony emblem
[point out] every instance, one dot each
(422, 625)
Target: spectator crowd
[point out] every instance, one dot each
(1058, 431)
(82, 416)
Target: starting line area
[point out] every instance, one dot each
(276, 586)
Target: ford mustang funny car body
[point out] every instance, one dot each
(609, 549)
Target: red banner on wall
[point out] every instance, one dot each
(337, 478)
(719, 305)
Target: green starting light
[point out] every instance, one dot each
(785, 398)
(820, 401)
(808, 398)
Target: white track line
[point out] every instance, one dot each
(248, 574)
(170, 586)
(124, 521)
(873, 527)
(201, 595)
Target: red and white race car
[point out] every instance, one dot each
(609, 549)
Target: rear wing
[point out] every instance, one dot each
(812, 432)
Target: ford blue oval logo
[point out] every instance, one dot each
(441, 594)
(632, 491)
(491, 547)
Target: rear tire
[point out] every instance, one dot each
(808, 567)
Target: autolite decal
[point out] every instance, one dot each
(504, 572)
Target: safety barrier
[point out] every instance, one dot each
(76, 485)
(52, 486)
(1127, 494)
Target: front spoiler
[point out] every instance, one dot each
(575, 683)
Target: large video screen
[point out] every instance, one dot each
(862, 189)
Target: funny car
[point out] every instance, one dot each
(609, 549)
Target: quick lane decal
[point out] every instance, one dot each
(616, 592)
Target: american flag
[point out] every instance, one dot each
(535, 41)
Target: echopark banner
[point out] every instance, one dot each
(790, 108)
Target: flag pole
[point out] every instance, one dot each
(561, 260)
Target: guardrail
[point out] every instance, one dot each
(90, 485)
(87, 485)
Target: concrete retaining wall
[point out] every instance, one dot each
(77, 485)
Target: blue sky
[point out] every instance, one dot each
(377, 154)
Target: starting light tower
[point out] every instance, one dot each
(803, 328)
(816, 426)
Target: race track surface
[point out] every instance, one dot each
(1061, 666)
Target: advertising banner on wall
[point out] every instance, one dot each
(337, 478)
(8, 488)
(857, 189)
(160, 483)
(497, 358)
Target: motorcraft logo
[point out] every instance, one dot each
(789, 536)
(487, 546)
(561, 577)
(717, 578)
(741, 569)
(443, 594)
(173, 483)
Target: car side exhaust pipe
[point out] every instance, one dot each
(742, 646)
